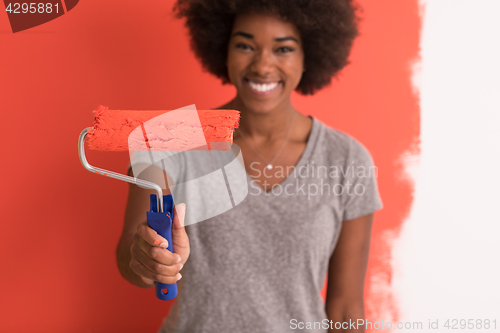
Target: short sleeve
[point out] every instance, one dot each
(360, 190)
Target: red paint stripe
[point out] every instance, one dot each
(145, 136)
(64, 6)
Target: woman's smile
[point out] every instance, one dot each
(262, 88)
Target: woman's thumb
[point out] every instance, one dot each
(180, 239)
(179, 214)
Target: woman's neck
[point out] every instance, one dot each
(267, 126)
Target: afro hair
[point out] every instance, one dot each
(327, 27)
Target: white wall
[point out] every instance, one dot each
(446, 262)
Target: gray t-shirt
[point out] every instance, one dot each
(261, 265)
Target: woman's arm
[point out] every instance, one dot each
(346, 274)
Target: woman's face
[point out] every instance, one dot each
(265, 61)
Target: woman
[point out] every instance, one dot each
(260, 266)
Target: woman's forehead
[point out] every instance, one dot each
(258, 25)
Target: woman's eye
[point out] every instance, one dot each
(285, 49)
(243, 46)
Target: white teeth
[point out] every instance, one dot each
(263, 87)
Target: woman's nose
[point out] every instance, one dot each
(263, 62)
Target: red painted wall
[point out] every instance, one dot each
(61, 224)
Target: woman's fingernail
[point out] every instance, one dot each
(179, 259)
(156, 242)
(164, 245)
(179, 276)
(180, 266)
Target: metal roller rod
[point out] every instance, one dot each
(112, 174)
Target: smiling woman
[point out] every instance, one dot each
(265, 61)
(261, 266)
(327, 29)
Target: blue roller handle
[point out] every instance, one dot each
(162, 224)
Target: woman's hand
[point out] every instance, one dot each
(150, 258)
(346, 275)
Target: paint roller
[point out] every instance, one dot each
(156, 132)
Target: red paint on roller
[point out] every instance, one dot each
(112, 128)
(145, 135)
